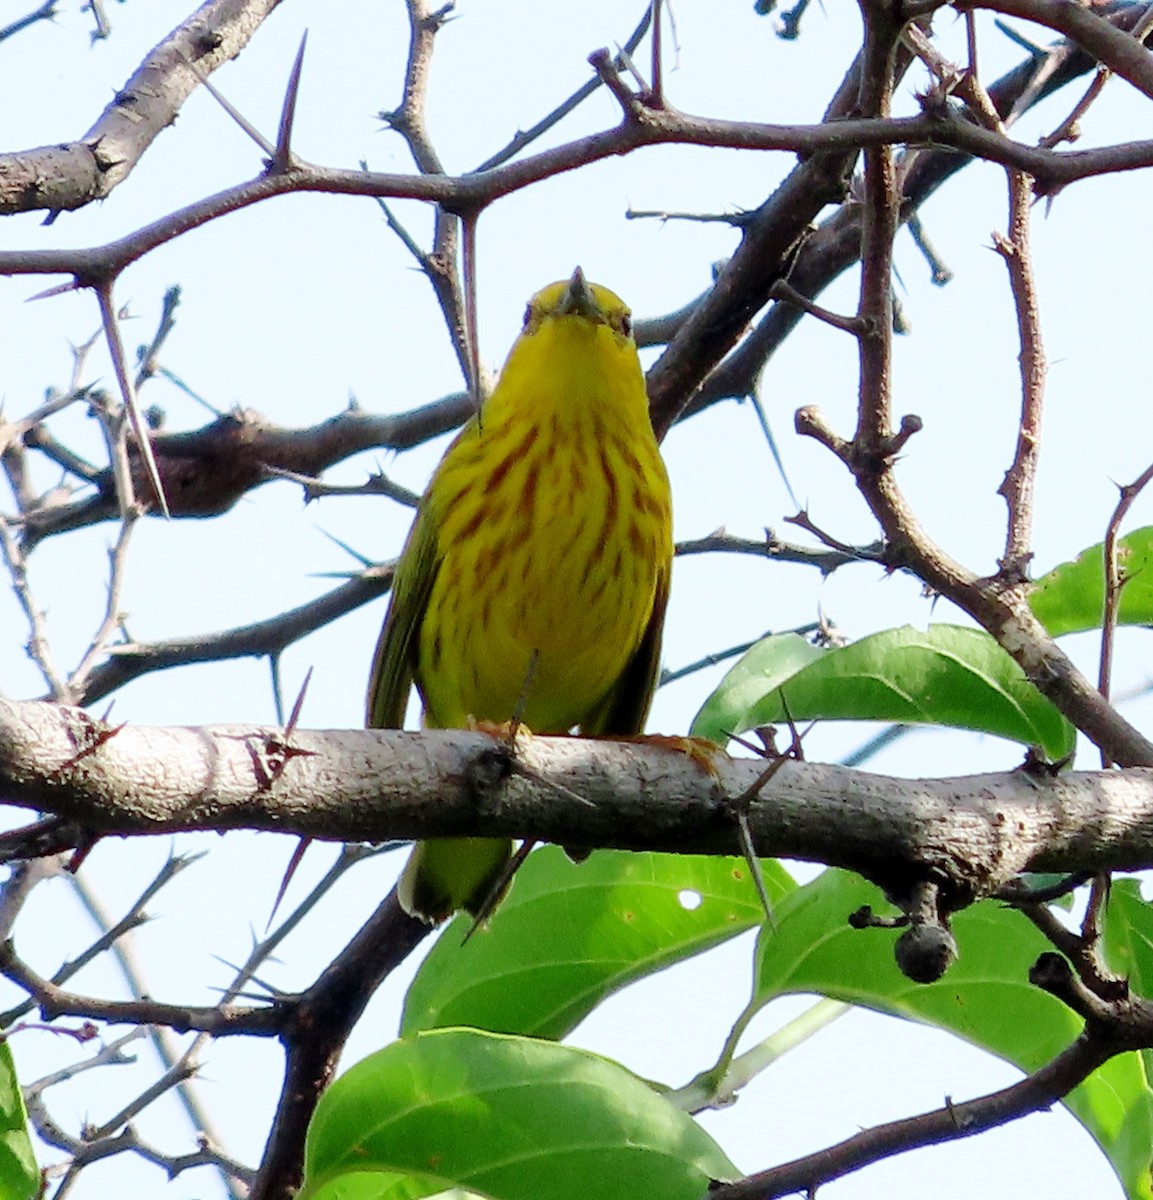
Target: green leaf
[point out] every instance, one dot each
(511, 1118)
(985, 998)
(367, 1185)
(946, 675)
(1129, 935)
(1071, 597)
(568, 935)
(757, 673)
(19, 1174)
(1129, 951)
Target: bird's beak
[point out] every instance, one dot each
(578, 300)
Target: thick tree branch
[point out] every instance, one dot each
(321, 1020)
(73, 174)
(205, 471)
(971, 834)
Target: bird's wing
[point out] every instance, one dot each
(624, 709)
(392, 668)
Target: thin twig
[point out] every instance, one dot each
(1036, 1093)
(46, 12)
(669, 675)
(132, 660)
(1114, 582)
(146, 355)
(113, 618)
(879, 227)
(1017, 486)
(836, 554)
(219, 1020)
(528, 136)
(377, 484)
(941, 274)
(783, 291)
(1070, 128)
(440, 264)
(38, 645)
(125, 490)
(657, 87)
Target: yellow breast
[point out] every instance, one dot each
(554, 531)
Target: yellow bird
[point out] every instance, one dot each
(534, 579)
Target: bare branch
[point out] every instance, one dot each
(1115, 579)
(204, 472)
(70, 175)
(1017, 487)
(975, 833)
(835, 245)
(440, 265)
(645, 127)
(1036, 1093)
(562, 110)
(323, 1018)
(113, 616)
(220, 1020)
(38, 647)
(110, 937)
(262, 638)
(825, 560)
(1000, 606)
(1122, 54)
(46, 12)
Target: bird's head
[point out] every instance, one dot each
(580, 301)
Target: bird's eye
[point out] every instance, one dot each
(627, 323)
(527, 315)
